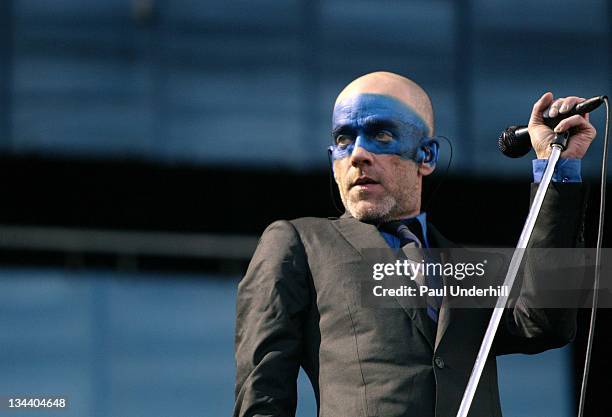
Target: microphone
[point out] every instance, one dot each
(515, 141)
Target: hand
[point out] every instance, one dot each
(541, 135)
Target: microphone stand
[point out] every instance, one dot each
(558, 145)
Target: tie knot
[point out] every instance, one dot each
(401, 230)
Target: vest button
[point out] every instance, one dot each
(439, 362)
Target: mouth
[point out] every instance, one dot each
(364, 182)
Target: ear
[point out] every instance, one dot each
(428, 156)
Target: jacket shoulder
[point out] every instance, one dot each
(305, 229)
(303, 222)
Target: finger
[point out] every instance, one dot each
(573, 121)
(553, 110)
(539, 107)
(568, 103)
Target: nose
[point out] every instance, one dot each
(360, 156)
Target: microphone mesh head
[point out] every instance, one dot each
(512, 145)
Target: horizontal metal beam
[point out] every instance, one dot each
(130, 243)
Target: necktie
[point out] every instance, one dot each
(408, 239)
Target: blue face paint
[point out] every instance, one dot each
(382, 125)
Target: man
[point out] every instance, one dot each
(298, 304)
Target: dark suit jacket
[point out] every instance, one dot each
(298, 305)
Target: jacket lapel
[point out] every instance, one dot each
(451, 316)
(441, 243)
(364, 236)
(360, 235)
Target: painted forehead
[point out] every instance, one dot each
(358, 109)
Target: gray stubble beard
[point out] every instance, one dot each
(378, 212)
(385, 210)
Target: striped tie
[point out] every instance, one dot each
(410, 240)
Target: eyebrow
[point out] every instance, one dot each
(371, 123)
(338, 130)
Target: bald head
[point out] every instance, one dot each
(382, 128)
(396, 86)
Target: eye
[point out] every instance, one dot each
(384, 136)
(344, 140)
